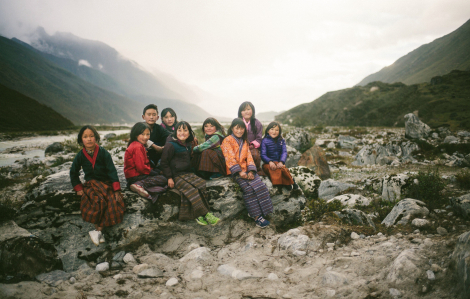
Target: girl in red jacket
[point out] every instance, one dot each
(141, 178)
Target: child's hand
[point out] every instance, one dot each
(80, 193)
(272, 165)
(243, 175)
(171, 183)
(250, 175)
(280, 165)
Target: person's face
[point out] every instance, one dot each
(247, 113)
(168, 119)
(238, 131)
(274, 132)
(144, 137)
(209, 129)
(182, 133)
(150, 116)
(89, 139)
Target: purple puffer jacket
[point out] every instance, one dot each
(272, 150)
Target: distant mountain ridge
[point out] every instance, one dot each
(450, 52)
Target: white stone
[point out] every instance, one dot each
(102, 267)
(272, 276)
(394, 292)
(240, 275)
(417, 222)
(140, 268)
(171, 282)
(355, 236)
(129, 258)
(299, 253)
(197, 274)
(198, 254)
(404, 267)
(226, 270)
(330, 293)
(351, 200)
(430, 275)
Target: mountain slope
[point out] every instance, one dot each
(444, 101)
(21, 113)
(29, 73)
(450, 52)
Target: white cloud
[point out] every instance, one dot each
(84, 62)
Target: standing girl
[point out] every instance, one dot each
(101, 199)
(140, 177)
(242, 167)
(274, 156)
(246, 111)
(208, 159)
(176, 166)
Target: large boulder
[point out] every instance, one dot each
(54, 148)
(355, 217)
(315, 159)
(298, 138)
(293, 157)
(405, 268)
(350, 200)
(392, 186)
(414, 128)
(306, 179)
(462, 205)
(349, 142)
(330, 188)
(461, 258)
(386, 154)
(404, 210)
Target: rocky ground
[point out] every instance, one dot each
(354, 230)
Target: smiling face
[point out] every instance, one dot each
(209, 129)
(238, 131)
(89, 139)
(144, 137)
(150, 117)
(247, 113)
(182, 133)
(274, 132)
(168, 119)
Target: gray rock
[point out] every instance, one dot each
(355, 217)
(394, 292)
(430, 275)
(294, 240)
(128, 258)
(330, 188)
(347, 141)
(463, 134)
(462, 264)
(417, 222)
(272, 276)
(444, 131)
(404, 210)
(102, 267)
(226, 270)
(172, 281)
(354, 236)
(118, 257)
(350, 200)
(54, 148)
(441, 231)
(331, 145)
(451, 140)
(293, 157)
(386, 154)
(306, 179)
(196, 274)
(198, 254)
(331, 278)
(414, 128)
(462, 205)
(298, 138)
(54, 278)
(404, 268)
(392, 185)
(150, 273)
(109, 135)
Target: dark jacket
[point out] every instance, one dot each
(272, 150)
(158, 135)
(176, 158)
(100, 167)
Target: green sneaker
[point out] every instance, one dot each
(211, 219)
(200, 220)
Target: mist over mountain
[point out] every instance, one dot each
(450, 52)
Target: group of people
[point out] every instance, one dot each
(169, 155)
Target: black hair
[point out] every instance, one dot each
(136, 130)
(215, 123)
(172, 113)
(82, 130)
(150, 106)
(185, 125)
(238, 122)
(272, 125)
(253, 118)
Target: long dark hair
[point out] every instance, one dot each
(136, 130)
(172, 113)
(272, 125)
(215, 123)
(238, 122)
(82, 130)
(252, 119)
(185, 125)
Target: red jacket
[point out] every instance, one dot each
(136, 161)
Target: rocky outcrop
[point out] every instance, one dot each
(392, 186)
(315, 159)
(392, 152)
(404, 210)
(461, 258)
(355, 217)
(350, 200)
(414, 128)
(330, 188)
(307, 180)
(54, 148)
(461, 205)
(298, 138)
(349, 142)
(293, 157)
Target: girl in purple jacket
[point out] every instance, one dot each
(254, 128)
(274, 156)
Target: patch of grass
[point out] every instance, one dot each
(428, 189)
(463, 179)
(316, 208)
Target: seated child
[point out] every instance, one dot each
(246, 111)
(208, 159)
(274, 156)
(242, 167)
(158, 134)
(176, 166)
(101, 199)
(140, 177)
(169, 119)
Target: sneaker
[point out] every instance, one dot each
(200, 220)
(102, 240)
(95, 237)
(211, 219)
(139, 190)
(261, 222)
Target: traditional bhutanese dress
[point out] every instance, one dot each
(254, 141)
(101, 202)
(255, 193)
(208, 157)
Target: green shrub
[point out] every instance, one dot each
(316, 208)
(429, 188)
(463, 179)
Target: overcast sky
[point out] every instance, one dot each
(277, 54)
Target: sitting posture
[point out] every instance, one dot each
(101, 199)
(254, 128)
(208, 159)
(141, 178)
(176, 166)
(274, 156)
(242, 167)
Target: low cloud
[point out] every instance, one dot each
(84, 62)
